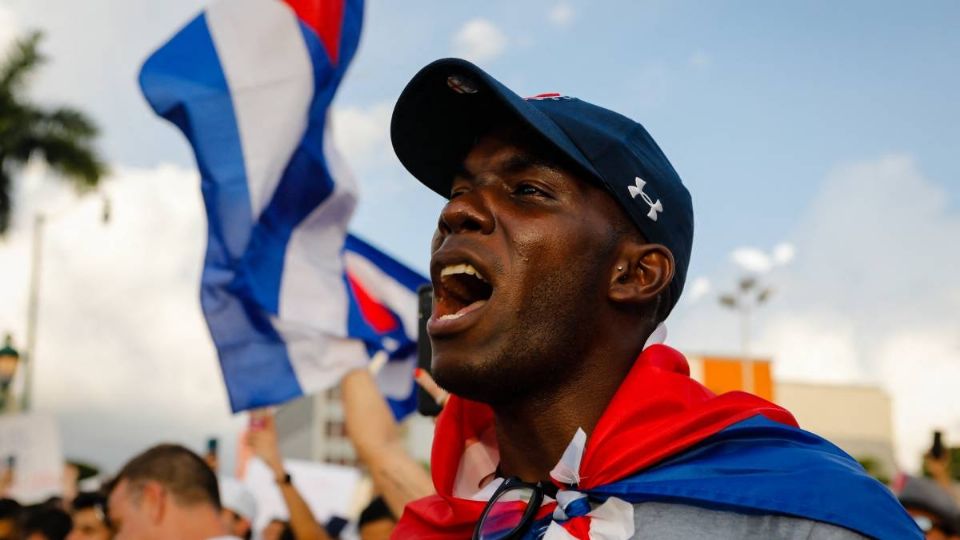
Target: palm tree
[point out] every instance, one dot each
(61, 136)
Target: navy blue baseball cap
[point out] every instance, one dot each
(450, 102)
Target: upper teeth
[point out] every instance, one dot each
(461, 269)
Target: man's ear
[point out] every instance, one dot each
(154, 497)
(640, 273)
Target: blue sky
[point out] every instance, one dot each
(831, 126)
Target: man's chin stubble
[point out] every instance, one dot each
(505, 379)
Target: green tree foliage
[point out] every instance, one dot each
(61, 136)
(873, 468)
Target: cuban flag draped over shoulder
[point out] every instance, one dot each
(249, 83)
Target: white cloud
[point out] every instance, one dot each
(479, 40)
(756, 261)
(752, 260)
(921, 368)
(9, 27)
(816, 347)
(697, 289)
(561, 14)
(363, 134)
(783, 254)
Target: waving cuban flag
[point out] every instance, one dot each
(382, 298)
(249, 83)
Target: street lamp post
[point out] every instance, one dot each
(748, 296)
(36, 259)
(33, 300)
(9, 359)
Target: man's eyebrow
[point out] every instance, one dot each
(461, 172)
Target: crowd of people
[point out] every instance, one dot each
(934, 500)
(169, 491)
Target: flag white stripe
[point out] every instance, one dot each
(270, 75)
(319, 360)
(312, 291)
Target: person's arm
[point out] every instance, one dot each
(6, 481)
(262, 439)
(376, 437)
(425, 380)
(939, 469)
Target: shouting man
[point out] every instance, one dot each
(563, 247)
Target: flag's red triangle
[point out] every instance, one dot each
(376, 314)
(326, 19)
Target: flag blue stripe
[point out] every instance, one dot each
(403, 407)
(404, 275)
(761, 466)
(184, 82)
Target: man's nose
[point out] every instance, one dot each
(467, 212)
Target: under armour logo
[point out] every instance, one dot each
(655, 207)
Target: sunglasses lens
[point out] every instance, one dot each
(505, 513)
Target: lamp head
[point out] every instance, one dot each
(9, 359)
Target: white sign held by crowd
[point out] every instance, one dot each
(327, 489)
(32, 443)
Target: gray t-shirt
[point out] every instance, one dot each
(664, 521)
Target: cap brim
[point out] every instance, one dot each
(443, 110)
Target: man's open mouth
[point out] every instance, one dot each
(461, 289)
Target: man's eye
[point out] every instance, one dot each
(528, 189)
(456, 194)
